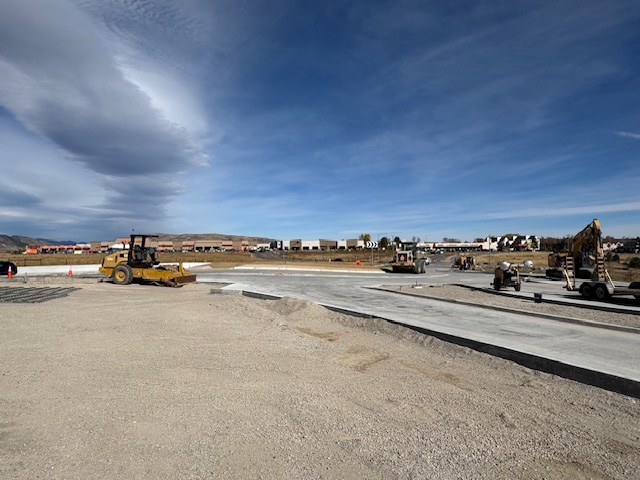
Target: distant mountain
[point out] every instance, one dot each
(211, 236)
(15, 243)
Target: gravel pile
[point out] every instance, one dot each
(159, 383)
(477, 297)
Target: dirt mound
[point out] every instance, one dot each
(295, 308)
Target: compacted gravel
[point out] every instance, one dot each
(156, 383)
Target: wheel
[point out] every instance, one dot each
(601, 291)
(122, 275)
(424, 267)
(497, 283)
(585, 290)
(517, 287)
(415, 269)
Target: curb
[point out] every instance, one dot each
(606, 381)
(590, 306)
(575, 321)
(307, 269)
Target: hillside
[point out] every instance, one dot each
(14, 243)
(211, 236)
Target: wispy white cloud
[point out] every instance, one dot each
(297, 120)
(629, 135)
(61, 82)
(587, 210)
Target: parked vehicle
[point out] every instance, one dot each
(5, 266)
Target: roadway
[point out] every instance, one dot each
(602, 357)
(567, 349)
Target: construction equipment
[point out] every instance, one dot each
(587, 259)
(409, 260)
(465, 262)
(139, 263)
(506, 276)
(556, 263)
(8, 268)
(584, 248)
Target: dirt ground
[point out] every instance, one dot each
(149, 382)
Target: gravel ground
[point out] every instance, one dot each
(159, 383)
(477, 297)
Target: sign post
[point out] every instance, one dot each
(372, 245)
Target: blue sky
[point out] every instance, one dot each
(319, 119)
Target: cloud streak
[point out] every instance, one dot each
(310, 119)
(64, 85)
(629, 135)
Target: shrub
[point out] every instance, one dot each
(634, 262)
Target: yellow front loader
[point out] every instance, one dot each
(139, 263)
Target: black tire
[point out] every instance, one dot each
(586, 291)
(601, 291)
(517, 287)
(497, 283)
(122, 275)
(424, 267)
(415, 269)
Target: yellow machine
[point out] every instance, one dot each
(465, 262)
(586, 260)
(139, 263)
(584, 250)
(408, 261)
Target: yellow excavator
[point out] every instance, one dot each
(139, 263)
(585, 259)
(584, 250)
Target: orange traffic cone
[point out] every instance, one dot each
(70, 273)
(9, 272)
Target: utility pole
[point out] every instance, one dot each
(489, 252)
